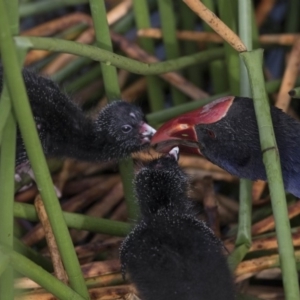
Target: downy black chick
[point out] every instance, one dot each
(170, 254)
(226, 133)
(65, 131)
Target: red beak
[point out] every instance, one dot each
(181, 131)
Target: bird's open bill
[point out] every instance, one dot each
(181, 130)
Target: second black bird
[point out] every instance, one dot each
(226, 133)
(170, 254)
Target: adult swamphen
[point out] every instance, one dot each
(226, 133)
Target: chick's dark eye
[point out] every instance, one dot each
(211, 133)
(126, 128)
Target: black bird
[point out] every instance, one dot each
(170, 254)
(65, 131)
(226, 133)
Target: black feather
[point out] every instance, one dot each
(65, 131)
(170, 254)
(236, 148)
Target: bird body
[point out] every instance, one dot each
(231, 140)
(65, 131)
(170, 254)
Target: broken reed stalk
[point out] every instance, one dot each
(258, 264)
(13, 77)
(59, 270)
(285, 39)
(253, 62)
(268, 223)
(289, 77)
(208, 37)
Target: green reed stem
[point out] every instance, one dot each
(171, 46)
(188, 21)
(39, 275)
(220, 83)
(110, 59)
(34, 150)
(7, 171)
(112, 89)
(33, 255)
(228, 16)
(244, 237)
(154, 84)
(77, 221)
(39, 7)
(253, 61)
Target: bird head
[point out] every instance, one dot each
(224, 131)
(124, 128)
(183, 131)
(161, 184)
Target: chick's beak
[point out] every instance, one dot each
(181, 131)
(146, 133)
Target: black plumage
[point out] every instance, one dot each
(170, 254)
(232, 141)
(65, 131)
(235, 144)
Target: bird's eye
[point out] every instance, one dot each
(211, 133)
(126, 128)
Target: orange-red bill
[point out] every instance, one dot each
(181, 131)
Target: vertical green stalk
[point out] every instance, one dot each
(228, 16)
(253, 61)
(34, 150)
(168, 24)
(113, 92)
(5, 108)
(255, 30)
(217, 67)
(188, 20)
(292, 19)
(244, 237)
(154, 84)
(7, 171)
(4, 263)
(7, 168)
(12, 7)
